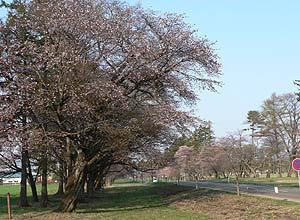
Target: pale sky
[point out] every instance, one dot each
(259, 48)
(258, 42)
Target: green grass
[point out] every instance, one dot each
(159, 201)
(262, 180)
(138, 202)
(14, 191)
(124, 201)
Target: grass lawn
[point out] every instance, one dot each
(124, 201)
(162, 201)
(274, 180)
(14, 191)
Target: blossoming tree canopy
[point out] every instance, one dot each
(97, 82)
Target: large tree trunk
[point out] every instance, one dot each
(23, 191)
(90, 185)
(74, 184)
(99, 181)
(108, 181)
(60, 190)
(81, 197)
(69, 164)
(99, 184)
(32, 182)
(44, 191)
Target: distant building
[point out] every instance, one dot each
(49, 179)
(10, 178)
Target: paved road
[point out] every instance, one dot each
(285, 193)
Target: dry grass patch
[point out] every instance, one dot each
(222, 205)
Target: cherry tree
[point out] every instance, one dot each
(214, 160)
(167, 172)
(87, 81)
(190, 163)
(238, 153)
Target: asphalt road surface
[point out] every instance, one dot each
(284, 193)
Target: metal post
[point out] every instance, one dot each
(299, 178)
(8, 206)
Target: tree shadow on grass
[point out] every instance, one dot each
(119, 199)
(99, 210)
(33, 206)
(15, 196)
(123, 198)
(142, 197)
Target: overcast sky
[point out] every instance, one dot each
(258, 44)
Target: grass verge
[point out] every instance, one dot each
(122, 202)
(262, 180)
(164, 201)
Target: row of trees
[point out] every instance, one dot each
(276, 131)
(268, 146)
(89, 87)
